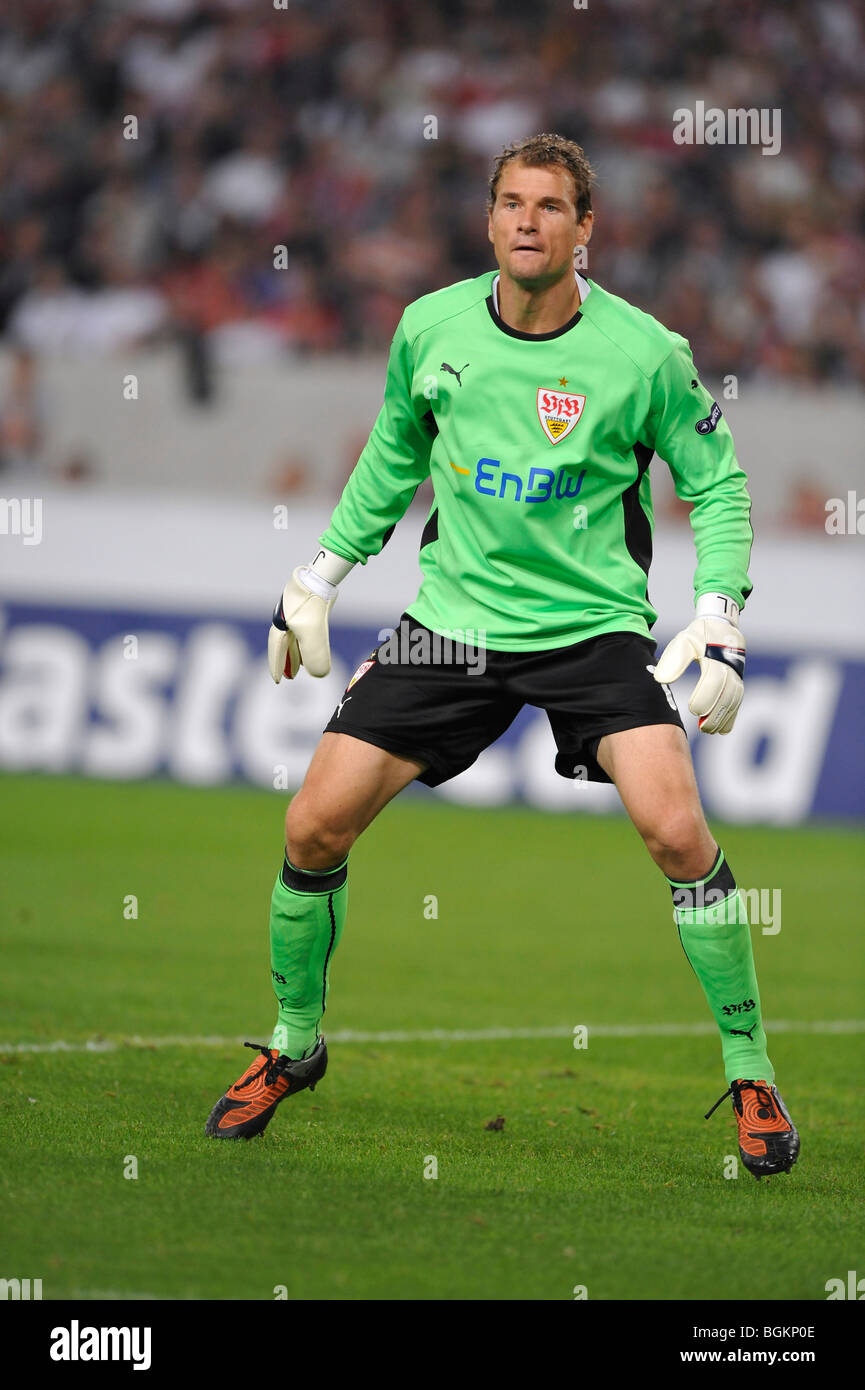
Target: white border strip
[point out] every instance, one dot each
(351, 1035)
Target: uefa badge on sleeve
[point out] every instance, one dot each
(558, 412)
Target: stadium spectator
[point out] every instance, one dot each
(21, 417)
(356, 137)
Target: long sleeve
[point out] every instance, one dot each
(688, 431)
(394, 461)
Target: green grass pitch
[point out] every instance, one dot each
(604, 1175)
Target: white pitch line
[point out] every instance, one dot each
(351, 1035)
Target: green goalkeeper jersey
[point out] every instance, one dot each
(538, 447)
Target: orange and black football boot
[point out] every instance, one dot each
(247, 1106)
(768, 1139)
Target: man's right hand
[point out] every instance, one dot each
(299, 633)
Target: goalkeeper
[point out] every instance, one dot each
(535, 400)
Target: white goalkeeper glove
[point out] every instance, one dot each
(714, 640)
(299, 632)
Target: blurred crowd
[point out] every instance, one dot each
(153, 153)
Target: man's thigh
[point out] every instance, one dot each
(654, 775)
(348, 782)
(594, 688)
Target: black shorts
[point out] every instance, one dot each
(432, 700)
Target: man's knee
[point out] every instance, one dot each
(679, 841)
(314, 841)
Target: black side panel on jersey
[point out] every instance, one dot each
(638, 531)
(431, 530)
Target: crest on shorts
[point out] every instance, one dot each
(558, 412)
(361, 671)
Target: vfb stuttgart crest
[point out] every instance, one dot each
(361, 671)
(558, 412)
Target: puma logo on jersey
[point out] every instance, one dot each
(344, 701)
(446, 367)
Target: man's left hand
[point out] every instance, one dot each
(719, 647)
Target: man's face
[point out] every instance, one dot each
(533, 224)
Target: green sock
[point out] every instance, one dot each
(713, 929)
(307, 915)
